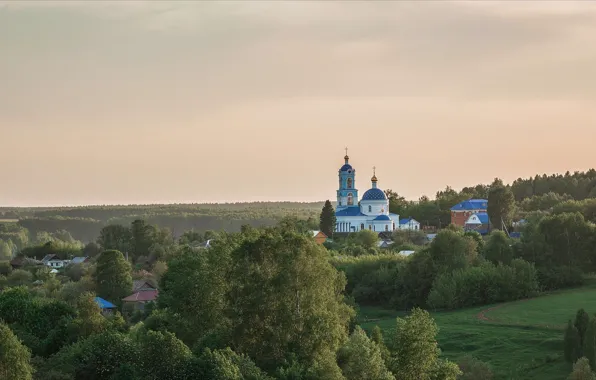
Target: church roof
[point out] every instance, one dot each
(382, 217)
(374, 194)
(407, 220)
(349, 211)
(345, 168)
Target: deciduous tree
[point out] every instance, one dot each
(500, 206)
(361, 358)
(14, 357)
(113, 276)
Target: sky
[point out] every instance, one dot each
(217, 101)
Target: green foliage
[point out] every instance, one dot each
(404, 237)
(366, 239)
(371, 279)
(589, 343)
(474, 369)
(452, 250)
(227, 365)
(115, 237)
(290, 274)
(14, 357)
(5, 268)
(162, 356)
(361, 358)
(581, 323)
(572, 343)
(582, 371)
(414, 347)
(501, 203)
(113, 276)
(498, 248)
(327, 219)
(483, 285)
(20, 277)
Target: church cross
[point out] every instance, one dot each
(346, 151)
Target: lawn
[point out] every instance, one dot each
(520, 340)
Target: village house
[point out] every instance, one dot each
(478, 222)
(319, 236)
(138, 300)
(53, 261)
(106, 307)
(409, 224)
(462, 211)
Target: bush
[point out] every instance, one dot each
(483, 285)
(371, 278)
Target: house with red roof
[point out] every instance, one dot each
(139, 299)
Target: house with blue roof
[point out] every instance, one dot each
(371, 212)
(409, 224)
(462, 211)
(478, 222)
(105, 306)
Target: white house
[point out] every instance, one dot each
(409, 224)
(53, 261)
(475, 220)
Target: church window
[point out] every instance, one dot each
(349, 183)
(386, 228)
(369, 208)
(369, 227)
(350, 199)
(393, 226)
(362, 226)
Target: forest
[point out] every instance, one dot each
(263, 300)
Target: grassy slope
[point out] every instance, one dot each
(522, 340)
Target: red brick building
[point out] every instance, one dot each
(462, 211)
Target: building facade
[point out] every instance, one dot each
(354, 214)
(409, 224)
(462, 211)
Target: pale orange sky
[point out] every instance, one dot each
(205, 101)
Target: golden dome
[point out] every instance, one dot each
(374, 177)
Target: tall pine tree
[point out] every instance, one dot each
(572, 343)
(582, 320)
(589, 343)
(327, 220)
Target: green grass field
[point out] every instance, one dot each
(520, 340)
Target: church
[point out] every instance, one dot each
(371, 212)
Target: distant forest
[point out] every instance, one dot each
(569, 192)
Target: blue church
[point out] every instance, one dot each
(371, 212)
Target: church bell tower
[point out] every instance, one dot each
(347, 194)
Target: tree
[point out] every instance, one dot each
(474, 369)
(327, 219)
(114, 237)
(589, 343)
(582, 321)
(5, 251)
(500, 206)
(163, 356)
(365, 238)
(361, 358)
(415, 351)
(14, 357)
(572, 343)
(452, 250)
(306, 315)
(582, 371)
(377, 337)
(113, 276)
(89, 320)
(91, 249)
(142, 237)
(498, 248)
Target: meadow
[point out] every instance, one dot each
(520, 340)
